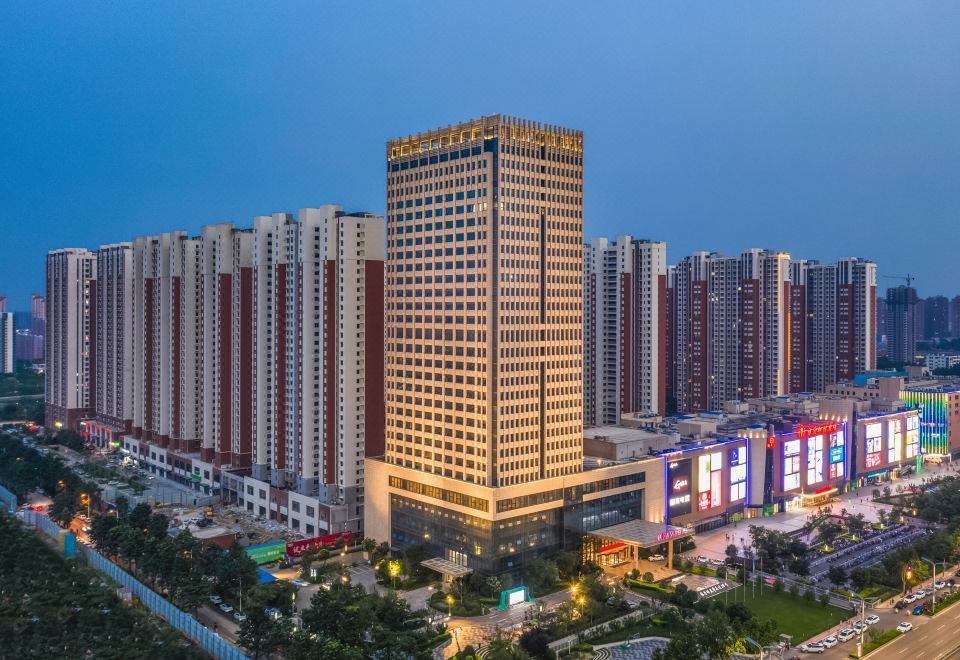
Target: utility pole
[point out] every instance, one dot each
(862, 627)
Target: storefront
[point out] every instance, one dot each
(807, 466)
(622, 544)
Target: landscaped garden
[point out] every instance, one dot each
(795, 615)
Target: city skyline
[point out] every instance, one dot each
(804, 140)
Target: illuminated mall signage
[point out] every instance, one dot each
(669, 534)
(678, 476)
(810, 430)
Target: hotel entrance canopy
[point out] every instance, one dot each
(639, 534)
(448, 569)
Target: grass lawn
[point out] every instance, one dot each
(794, 615)
(645, 628)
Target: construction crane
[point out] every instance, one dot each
(908, 277)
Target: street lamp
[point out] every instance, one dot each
(393, 568)
(449, 605)
(240, 581)
(933, 565)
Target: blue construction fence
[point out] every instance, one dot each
(185, 623)
(8, 500)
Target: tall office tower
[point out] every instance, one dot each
(936, 317)
(3, 304)
(955, 317)
(484, 326)
(901, 324)
(856, 317)
(167, 337)
(69, 347)
(318, 350)
(114, 339)
(6, 343)
(706, 298)
(227, 284)
(484, 301)
(624, 319)
(764, 322)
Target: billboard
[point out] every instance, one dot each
(678, 487)
(330, 542)
(267, 552)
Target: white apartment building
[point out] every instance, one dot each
(6, 343)
(68, 394)
(624, 328)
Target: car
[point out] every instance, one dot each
(917, 611)
(300, 582)
(239, 617)
(900, 604)
(905, 627)
(828, 642)
(859, 627)
(226, 608)
(216, 600)
(939, 584)
(845, 634)
(814, 647)
(656, 558)
(702, 559)
(909, 598)
(871, 620)
(716, 562)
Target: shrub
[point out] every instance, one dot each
(647, 577)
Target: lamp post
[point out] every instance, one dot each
(240, 582)
(449, 605)
(755, 643)
(933, 587)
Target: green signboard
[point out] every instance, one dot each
(267, 552)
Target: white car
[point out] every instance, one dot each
(300, 582)
(872, 620)
(815, 647)
(656, 558)
(216, 600)
(829, 642)
(910, 598)
(702, 559)
(225, 608)
(845, 634)
(240, 617)
(939, 584)
(904, 627)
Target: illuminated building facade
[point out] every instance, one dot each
(939, 408)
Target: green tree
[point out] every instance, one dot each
(502, 647)
(837, 575)
(732, 553)
(260, 635)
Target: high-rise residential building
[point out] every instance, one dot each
(881, 326)
(624, 330)
(955, 317)
(318, 359)
(484, 341)
(70, 381)
(901, 323)
(731, 323)
(3, 304)
(112, 292)
(833, 326)
(6, 343)
(936, 317)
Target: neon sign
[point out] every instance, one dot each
(771, 442)
(669, 534)
(680, 484)
(810, 430)
(612, 546)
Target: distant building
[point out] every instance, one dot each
(955, 317)
(6, 343)
(881, 337)
(901, 323)
(936, 317)
(941, 360)
(3, 304)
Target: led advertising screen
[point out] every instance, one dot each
(678, 487)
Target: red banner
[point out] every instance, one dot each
(330, 542)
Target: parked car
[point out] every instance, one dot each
(939, 584)
(226, 608)
(239, 617)
(859, 627)
(845, 634)
(702, 559)
(828, 642)
(814, 647)
(873, 619)
(900, 604)
(216, 600)
(904, 627)
(917, 611)
(910, 598)
(300, 582)
(656, 558)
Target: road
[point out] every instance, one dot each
(929, 639)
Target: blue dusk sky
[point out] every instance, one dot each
(826, 129)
